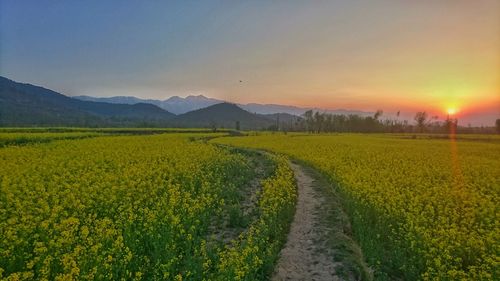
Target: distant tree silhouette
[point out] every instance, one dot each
(213, 125)
(308, 116)
(497, 124)
(450, 124)
(317, 122)
(421, 118)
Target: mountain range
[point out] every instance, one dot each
(28, 105)
(175, 104)
(179, 105)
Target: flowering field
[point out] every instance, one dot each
(137, 207)
(21, 138)
(420, 208)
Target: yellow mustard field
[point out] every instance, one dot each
(137, 208)
(420, 208)
(21, 138)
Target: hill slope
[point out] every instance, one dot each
(222, 115)
(29, 105)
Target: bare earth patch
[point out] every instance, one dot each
(304, 257)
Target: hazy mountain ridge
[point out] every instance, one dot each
(174, 104)
(179, 105)
(29, 105)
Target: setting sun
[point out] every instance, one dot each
(451, 111)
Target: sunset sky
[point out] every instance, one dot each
(393, 55)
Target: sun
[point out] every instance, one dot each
(451, 110)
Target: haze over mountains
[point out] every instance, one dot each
(179, 105)
(175, 104)
(28, 105)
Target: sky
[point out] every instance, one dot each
(394, 55)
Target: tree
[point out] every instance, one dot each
(378, 114)
(213, 125)
(277, 122)
(497, 123)
(450, 125)
(237, 125)
(308, 115)
(421, 118)
(318, 120)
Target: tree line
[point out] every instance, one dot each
(318, 122)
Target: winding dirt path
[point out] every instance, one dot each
(304, 257)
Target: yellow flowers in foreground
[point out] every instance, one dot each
(253, 255)
(420, 208)
(132, 208)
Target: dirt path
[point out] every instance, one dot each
(304, 256)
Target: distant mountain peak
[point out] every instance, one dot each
(174, 99)
(196, 97)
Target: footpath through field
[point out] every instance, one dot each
(301, 258)
(319, 245)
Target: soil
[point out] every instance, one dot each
(304, 257)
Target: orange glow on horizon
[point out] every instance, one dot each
(451, 111)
